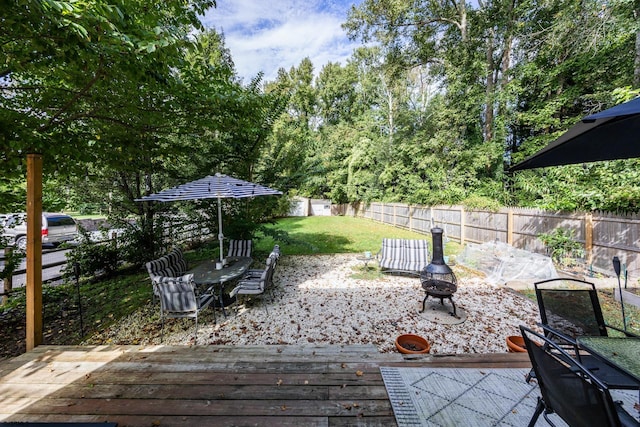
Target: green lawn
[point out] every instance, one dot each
(334, 234)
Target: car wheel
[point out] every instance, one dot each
(21, 243)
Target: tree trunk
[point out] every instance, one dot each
(636, 72)
(490, 89)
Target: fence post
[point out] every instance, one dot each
(510, 226)
(431, 225)
(588, 237)
(410, 218)
(8, 281)
(462, 225)
(395, 215)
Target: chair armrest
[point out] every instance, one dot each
(549, 331)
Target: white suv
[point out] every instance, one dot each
(56, 228)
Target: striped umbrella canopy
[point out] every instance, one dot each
(218, 187)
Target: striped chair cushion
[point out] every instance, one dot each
(177, 294)
(239, 248)
(170, 265)
(160, 267)
(404, 254)
(177, 261)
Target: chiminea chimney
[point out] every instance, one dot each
(438, 280)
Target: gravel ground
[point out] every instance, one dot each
(316, 299)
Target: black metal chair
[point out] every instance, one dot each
(570, 308)
(569, 389)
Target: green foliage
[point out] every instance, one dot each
(481, 203)
(430, 112)
(561, 245)
(92, 258)
(102, 302)
(11, 261)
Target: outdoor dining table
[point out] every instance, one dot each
(206, 274)
(620, 352)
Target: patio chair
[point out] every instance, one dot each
(255, 273)
(570, 308)
(569, 389)
(239, 248)
(179, 299)
(171, 264)
(256, 285)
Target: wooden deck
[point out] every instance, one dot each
(211, 385)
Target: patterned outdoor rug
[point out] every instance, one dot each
(467, 397)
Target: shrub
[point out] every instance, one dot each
(561, 245)
(92, 258)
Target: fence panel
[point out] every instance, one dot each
(483, 226)
(605, 234)
(449, 218)
(616, 236)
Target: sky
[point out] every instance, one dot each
(265, 35)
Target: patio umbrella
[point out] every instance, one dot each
(212, 187)
(608, 135)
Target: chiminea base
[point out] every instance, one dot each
(452, 313)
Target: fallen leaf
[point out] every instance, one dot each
(359, 373)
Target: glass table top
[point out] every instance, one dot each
(623, 352)
(206, 273)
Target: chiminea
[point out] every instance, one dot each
(437, 278)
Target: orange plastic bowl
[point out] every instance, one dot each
(412, 344)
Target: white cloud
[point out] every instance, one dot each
(266, 36)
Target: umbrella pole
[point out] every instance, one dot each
(220, 235)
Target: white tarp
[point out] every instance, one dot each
(503, 263)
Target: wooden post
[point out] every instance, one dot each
(510, 226)
(462, 225)
(431, 224)
(34, 251)
(395, 215)
(588, 237)
(410, 218)
(8, 281)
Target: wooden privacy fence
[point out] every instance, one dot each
(603, 235)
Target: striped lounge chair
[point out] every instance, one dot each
(403, 255)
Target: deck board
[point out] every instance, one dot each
(211, 385)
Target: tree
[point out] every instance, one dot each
(58, 59)
(63, 60)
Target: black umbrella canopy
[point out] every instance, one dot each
(608, 135)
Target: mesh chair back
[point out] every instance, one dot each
(570, 306)
(567, 387)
